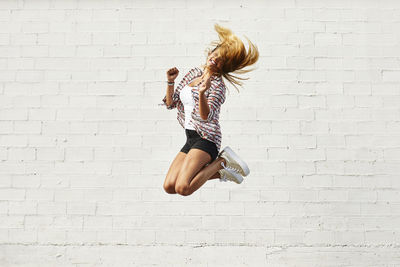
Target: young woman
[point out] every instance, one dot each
(198, 99)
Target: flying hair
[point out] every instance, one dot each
(233, 53)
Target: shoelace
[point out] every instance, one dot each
(230, 167)
(223, 179)
(225, 176)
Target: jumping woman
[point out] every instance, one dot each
(198, 99)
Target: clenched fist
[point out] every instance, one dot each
(205, 83)
(172, 73)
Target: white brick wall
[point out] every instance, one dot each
(84, 148)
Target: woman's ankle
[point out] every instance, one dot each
(221, 160)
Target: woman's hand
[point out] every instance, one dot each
(172, 73)
(205, 83)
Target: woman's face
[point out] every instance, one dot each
(214, 61)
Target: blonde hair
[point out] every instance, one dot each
(233, 53)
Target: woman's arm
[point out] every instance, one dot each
(173, 101)
(209, 106)
(168, 96)
(204, 109)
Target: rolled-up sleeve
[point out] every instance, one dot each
(215, 99)
(172, 106)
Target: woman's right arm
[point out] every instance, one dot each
(172, 73)
(168, 96)
(168, 99)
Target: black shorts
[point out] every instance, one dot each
(194, 140)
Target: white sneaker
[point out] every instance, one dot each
(229, 174)
(234, 162)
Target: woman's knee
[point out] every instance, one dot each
(170, 189)
(169, 186)
(182, 189)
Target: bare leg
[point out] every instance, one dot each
(208, 172)
(215, 176)
(172, 175)
(196, 170)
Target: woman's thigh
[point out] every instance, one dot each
(174, 170)
(195, 160)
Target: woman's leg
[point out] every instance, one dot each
(172, 174)
(216, 175)
(194, 173)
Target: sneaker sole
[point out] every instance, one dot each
(236, 158)
(240, 180)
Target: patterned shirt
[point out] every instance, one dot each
(210, 128)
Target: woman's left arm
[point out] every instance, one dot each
(204, 109)
(209, 106)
